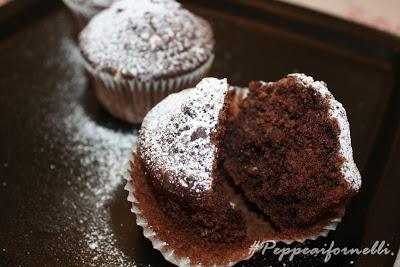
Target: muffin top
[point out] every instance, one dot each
(178, 137)
(146, 40)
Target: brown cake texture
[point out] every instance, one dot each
(218, 168)
(283, 150)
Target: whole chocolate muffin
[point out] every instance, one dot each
(219, 168)
(138, 52)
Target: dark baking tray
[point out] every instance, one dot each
(62, 156)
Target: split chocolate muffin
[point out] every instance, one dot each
(217, 168)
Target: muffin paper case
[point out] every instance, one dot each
(160, 245)
(169, 253)
(130, 100)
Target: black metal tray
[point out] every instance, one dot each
(62, 157)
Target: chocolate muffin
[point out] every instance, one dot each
(138, 52)
(218, 168)
(84, 10)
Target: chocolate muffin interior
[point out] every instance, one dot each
(282, 149)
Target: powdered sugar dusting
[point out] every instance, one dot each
(337, 111)
(106, 153)
(147, 39)
(175, 137)
(102, 155)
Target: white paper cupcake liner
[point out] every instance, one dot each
(169, 253)
(160, 245)
(130, 100)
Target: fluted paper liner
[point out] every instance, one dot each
(130, 100)
(160, 245)
(169, 253)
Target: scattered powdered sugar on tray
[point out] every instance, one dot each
(102, 154)
(147, 39)
(107, 149)
(106, 152)
(176, 135)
